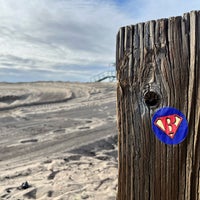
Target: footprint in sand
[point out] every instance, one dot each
(88, 121)
(50, 193)
(72, 158)
(52, 175)
(103, 157)
(29, 141)
(8, 191)
(59, 130)
(84, 127)
(31, 194)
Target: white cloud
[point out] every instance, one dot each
(76, 35)
(50, 32)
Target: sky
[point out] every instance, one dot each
(70, 40)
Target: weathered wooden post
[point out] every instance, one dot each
(158, 65)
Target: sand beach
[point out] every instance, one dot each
(58, 140)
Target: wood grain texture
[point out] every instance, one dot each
(158, 57)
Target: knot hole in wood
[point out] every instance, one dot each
(151, 98)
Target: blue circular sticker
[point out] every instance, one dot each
(170, 125)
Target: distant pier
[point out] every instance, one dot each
(109, 76)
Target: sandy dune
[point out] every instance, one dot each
(58, 141)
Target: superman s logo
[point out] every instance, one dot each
(169, 124)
